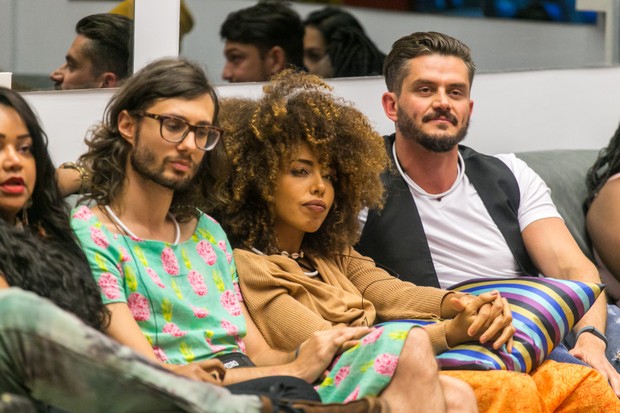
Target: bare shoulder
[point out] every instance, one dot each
(603, 217)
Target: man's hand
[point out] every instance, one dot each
(591, 349)
(211, 371)
(484, 317)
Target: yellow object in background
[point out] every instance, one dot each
(126, 8)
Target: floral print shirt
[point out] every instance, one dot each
(184, 297)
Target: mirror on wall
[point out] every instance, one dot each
(34, 39)
(37, 41)
(498, 44)
(540, 10)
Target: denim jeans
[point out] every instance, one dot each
(50, 356)
(612, 331)
(613, 335)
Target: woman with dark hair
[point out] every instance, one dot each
(602, 219)
(603, 226)
(30, 201)
(336, 45)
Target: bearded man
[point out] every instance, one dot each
(453, 214)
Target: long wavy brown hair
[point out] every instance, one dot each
(263, 135)
(106, 159)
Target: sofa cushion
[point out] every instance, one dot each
(564, 171)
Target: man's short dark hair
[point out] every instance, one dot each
(265, 25)
(111, 38)
(395, 66)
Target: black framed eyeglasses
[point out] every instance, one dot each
(174, 130)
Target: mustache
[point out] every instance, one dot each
(440, 113)
(187, 159)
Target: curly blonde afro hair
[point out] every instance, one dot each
(261, 138)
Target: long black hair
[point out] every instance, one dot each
(606, 165)
(69, 283)
(351, 51)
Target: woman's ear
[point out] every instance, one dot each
(127, 126)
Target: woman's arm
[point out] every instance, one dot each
(311, 361)
(284, 321)
(603, 224)
(472, 318)
(69, 179)
(3, 283)
(392, 298)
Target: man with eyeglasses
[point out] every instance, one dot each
(165, 269)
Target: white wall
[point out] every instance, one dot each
(515, 111)
(35, 35)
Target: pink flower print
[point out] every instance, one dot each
(98, 237)
(197, 282)
(230, 303)
(108, 284)
(124, 255)
(230, 328)
(353, 395)
(200, 312)
(84, 213)
(160, 354)
(205, 250)
(155, 277)
(169, 261)
(215, 348)
(386, 364)
(120, 270)
(342, 374)
(373, 336)
(240, 343)
(139, 306)
(174, 330)
(222, 245)
(238, 291)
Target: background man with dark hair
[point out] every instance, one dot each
(261, 40)
(100, 55)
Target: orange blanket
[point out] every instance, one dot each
(552, 387)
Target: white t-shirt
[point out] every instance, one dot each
(464, 241)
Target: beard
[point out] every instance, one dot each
(143, 161)
(437, 142)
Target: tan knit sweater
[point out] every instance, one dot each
(287, 306)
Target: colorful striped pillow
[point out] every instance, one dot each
(544, 311)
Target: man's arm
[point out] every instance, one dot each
(556, 254)
(124, 329)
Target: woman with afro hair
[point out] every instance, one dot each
(303, 163)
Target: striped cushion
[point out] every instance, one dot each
(544, 311)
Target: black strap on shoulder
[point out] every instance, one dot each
(499, 191)
(394, 237)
